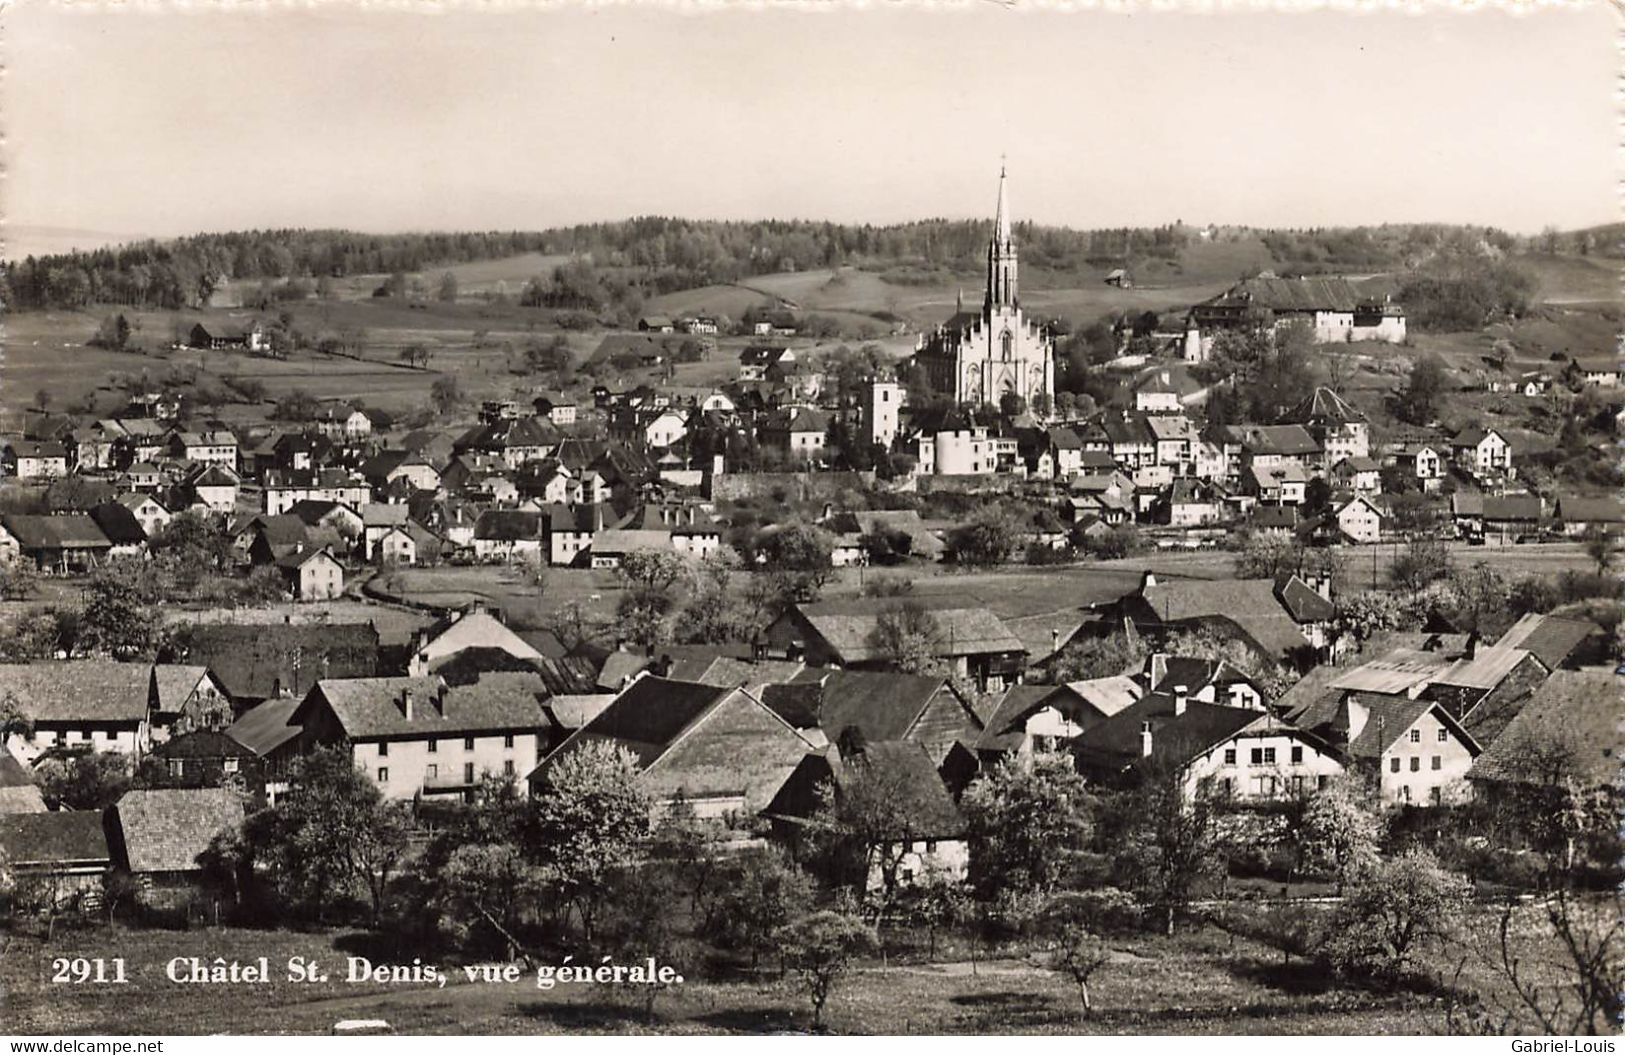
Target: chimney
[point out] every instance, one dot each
(1145, 739)
(1472, 645)
(440, 698)
(406, 703)
(1181, 699)
(1157, 671)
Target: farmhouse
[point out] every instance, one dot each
(69, 542)
(80, 705)
(419, 736)
(1335, 309)
(159, 833)
(971, 639)
(828, 704)
(65, 853)
(312, 574)
(717, 748)
(31, 460)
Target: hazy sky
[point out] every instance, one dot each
(144, 122)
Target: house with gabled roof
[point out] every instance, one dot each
(34, 460)
(1237, 753)
(825, 704)
(1030, 719)
(312, 574)
(971, 640)
(259, 661)
(1555, 641)
(1577, 514)
(80, 705)
(718, 748)
(68, 541)
(62, 854)
(1341, 429)
(1416, 749)
(1250, 610)
(158, 833)
(1484, 453)
(420, 736)
(926, 834)
(1568, 735)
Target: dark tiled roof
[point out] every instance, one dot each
(1175, 738)
(202, 743)
(905, 776)
(1572, 726)
(266, 727)
(964, 627)
(882, 705)
(1551, 638)
(649, 714)
(60, 838)
(373, 707)
(67, 531)
(165, 830)
(253, 661)
(86, 690)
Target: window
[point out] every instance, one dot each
(231, 765)
(383, 749)
(177, 768)
(1436, 796)
(468, 773)
(1416, 736)
(1257, 756)
(1416, 763)
(1269, 756)
(383, 774)
(1229, 756)
(431, 771)
(468, 743)
(1322, 780)
(1438, 763)
(1393, 765)
(1444, 735)
(507, 767)
(1297, 754)
(1405, 793)
(507, 741)
(434, 746)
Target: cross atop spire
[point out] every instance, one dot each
(1001, 220)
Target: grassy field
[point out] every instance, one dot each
(1200, 982)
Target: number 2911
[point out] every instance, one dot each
(79, 971)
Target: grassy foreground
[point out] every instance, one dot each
(1199, 982)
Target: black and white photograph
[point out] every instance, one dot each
(704, 518)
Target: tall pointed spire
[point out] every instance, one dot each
(1001, 220)
(1001, 256)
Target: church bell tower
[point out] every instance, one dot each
(1001, 260)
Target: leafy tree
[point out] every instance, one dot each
(113, 334)
(297, 405)
(651, 577)
(1076, 926)
(446, 393)
(822, 947)
(1393, 910)
(713, 613)
(447, 292)
(92, 781)
(14, 721)
(1265, 556)
(756, 892)
(589, 818)
(1424, 388)
(985, 539)
(1425, 560)
(1171, 843)
(18, 580)
(489, 884)
(1085, 658)
(799, 558)
(116, 619)
(907, 637)
(1339, 833)
(1602, 547)
(1028, 819)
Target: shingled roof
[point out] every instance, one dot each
(255, 661)
(906, 776)
(1251, 605)
(375, 708)
(164, 830)
(1571, 726)
(1550, 638)
(82, 690)
(43, 840)
(964, 627)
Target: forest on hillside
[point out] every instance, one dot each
(662, 254)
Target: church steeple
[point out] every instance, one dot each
(1001, 257)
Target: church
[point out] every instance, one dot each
(980, 357)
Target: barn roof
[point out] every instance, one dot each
(164, 830)
(61, 838)
(964, 627)
(85, 690)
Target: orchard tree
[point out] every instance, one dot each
(1076, 926)
(1424, 561)
(1424, 390)
(985, 539)
(798, 556)
(1028, 819)
(1339, 832)
(820, 948)
(1171, 844)
(1393, 911)
(589, 818)
(757, 890)
(907, 637)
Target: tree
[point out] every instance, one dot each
(447, 292)
(14, 721)
(713, 613)
(336, 834)
(1028, 818)
(1424, 388)
(1602, 546)
(1425, 560)
(907, 637)
(19, 580)
(116, 619)
(1393, 910)
(1085, 658)
(1338, 834)
(91, 781)
(490, 884)
(755, 893)
(114, 333)
(650, 577)
(446, 393)
(297, 405)
(589, 817)
(1267, 556)
(1076, 925)
(985, 539)
(822, 947)
(799, 557)
(1171, 844)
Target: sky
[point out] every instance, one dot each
(145, 122)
